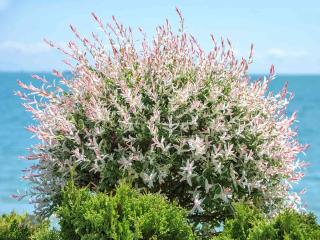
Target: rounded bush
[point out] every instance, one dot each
(16, 227)
(124, 215)
(25, 227)
(169, 117)
(250, 223)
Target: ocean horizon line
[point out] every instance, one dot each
(68, 71)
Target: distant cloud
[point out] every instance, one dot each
(23, 48)
(280, 53)
(276, 52)
(4, 4)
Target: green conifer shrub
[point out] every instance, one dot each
(250, 223)
(16, 227)
(25, 227)
(124, 215)
(46, 233)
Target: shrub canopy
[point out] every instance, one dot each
(250, 223)
(127, 215)
(166, 115)
(25, 227)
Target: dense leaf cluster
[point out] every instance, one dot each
(25, 227)
(126, 215)
(250, 223)
(84, 215)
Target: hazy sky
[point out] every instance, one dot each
(285, 33)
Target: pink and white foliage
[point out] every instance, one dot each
(167, 116)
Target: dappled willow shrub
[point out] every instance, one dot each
(166, 115)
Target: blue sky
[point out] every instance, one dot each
(285, 33)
